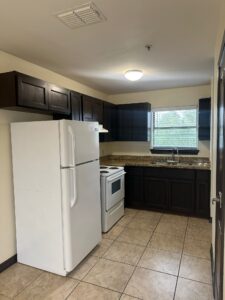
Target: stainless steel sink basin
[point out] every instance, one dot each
(172, 162)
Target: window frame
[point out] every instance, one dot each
(182, 150)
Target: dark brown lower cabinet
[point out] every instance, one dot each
(155, 193)
(203, 193)
(134, 187)
(181, 195)
(181, 191)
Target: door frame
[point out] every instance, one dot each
(221, 290)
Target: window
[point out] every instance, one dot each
(175, 128)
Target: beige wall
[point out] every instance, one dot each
(7, 218)
(187, 96)
(11, 63)
(220, 33)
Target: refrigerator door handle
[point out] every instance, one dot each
(73, 200)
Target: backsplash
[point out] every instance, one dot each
(142, 149)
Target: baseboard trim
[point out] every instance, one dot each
(212, 270)
(9, 262)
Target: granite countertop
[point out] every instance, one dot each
(200, 163)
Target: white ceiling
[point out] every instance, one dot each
(182, 32)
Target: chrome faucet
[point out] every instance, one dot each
(173, 155)
(178, 159)
(175, 150)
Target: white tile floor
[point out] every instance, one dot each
(146, 255)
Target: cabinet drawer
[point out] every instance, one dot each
(134, 170)
(203, 175)
(169, 173)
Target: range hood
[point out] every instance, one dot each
(102, 129)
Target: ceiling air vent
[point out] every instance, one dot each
(83, 15)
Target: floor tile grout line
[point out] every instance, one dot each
(200, 257)
(123, 242)
(210, 284)
(82, 280)
(136, 265)
(130, 296)
(157, 271)
(135, 268)
(7, 297)
(42, 272)
(86, 282)
(73, 289)
(175, 290)
(88, 270)
(120, 226)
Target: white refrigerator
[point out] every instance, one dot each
(57, 192)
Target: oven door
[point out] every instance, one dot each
(114, 189)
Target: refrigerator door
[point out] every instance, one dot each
(81, 208)
(79, 142)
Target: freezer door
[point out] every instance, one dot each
(81, 212)
(79, 142)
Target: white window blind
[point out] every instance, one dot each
(175, 128)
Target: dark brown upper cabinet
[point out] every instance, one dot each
(59, 99)
(76, 106)
(97, 107)
(87, 108)
(134, 122)
(32, 92)
(109, 122)
(92, 109)
(20, 90)
(204, 119)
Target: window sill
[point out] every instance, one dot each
(170, 151)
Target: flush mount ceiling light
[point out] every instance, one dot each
(133, 75)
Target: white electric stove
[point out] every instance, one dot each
(112, 195)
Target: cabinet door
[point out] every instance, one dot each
(97, 108)
(32, 92)
(76, 110)
(155, 193)
(203, 193)
(134, 187)
(204, 118)
(125, 123)
(141, 122)
(109, 122)
(59, 100)
(134, 122)
(87, 108)
(181, 196)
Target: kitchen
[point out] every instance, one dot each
(165, 233)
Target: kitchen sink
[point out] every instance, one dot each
(172, 162)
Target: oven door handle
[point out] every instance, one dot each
(109, 179)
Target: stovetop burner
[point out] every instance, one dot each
(106, 171)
